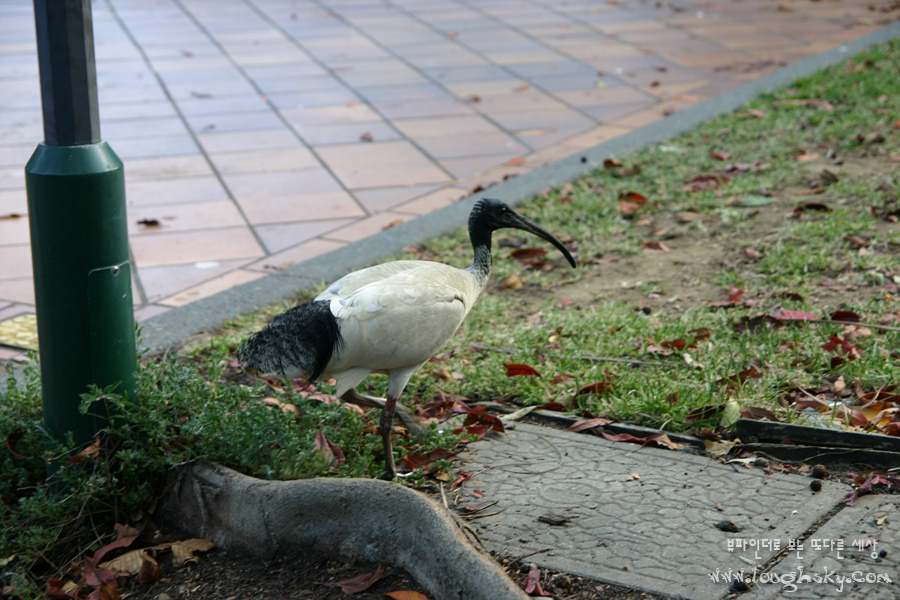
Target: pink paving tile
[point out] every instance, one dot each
(469, 145)
(250, 121)
(278, 236)
(13, 202)
(467, 166)
(368, 226)
(166, 167)
(433, 201)
(16, 261)
(529, 99)
(295, 254)
(194, 107)
(251, 186)
(380, 164)
(535, 122)
(169, 145)
(346, 133)
(195, 246)
(17, 290)
(263, 161)
(605, 96)
(238, 141)
(172, 191)
(10, 354)
(183, 217)
(166, 280)
(14, 230)
(224, 282)
(331, 115)
(431, 107)
(596, 136)
(301, 207)
(12, 177)
(17, 155)
(149, 311)
(376, 200)
(668, 90)
(506, 86)
(452, 125)
(9, 310)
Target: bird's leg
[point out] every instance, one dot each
(386, 421)
(403, 413)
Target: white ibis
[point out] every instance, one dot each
(390, 318)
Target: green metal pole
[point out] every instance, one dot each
(79, 238)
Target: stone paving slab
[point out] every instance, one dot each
(639, 517)
(855, 572)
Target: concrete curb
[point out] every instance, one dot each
(165, 330)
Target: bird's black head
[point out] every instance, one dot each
(489, 215)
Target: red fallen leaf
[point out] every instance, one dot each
(845, 315)
(892, 428)
(533, 584)
(785, 314)
(554, 406)
(562, 378)
(513, 370)
(461, 479)
(424, 459)
(704, 412)
(656, 246)
(660, 439)
(330, 450)
(708, 434)
(588, 424)
(599, 388)
(740, 378)
(679, 344)
(734, 294)
(633, 197)
(720, 155)
(611, 163)
(55, 590)
(757, 412)
(406, 595)
(835, 342)
(479, 431)
(880, 396)
(90, 452)
(11, 440)
(360, 583)
(475, 418)
(528, 253)
(869, 480)
(515, 161)
(478, 493)
(149, 573)
(705, 181)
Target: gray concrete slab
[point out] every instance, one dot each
(845, 555)
(639, 517)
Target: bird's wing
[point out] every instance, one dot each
(350, 283)
(405, 319)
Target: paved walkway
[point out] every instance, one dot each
(651, 519)
(257, 134)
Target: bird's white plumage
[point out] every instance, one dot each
(394, 314)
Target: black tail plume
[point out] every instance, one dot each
(297, 343)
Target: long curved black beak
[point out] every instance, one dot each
(526, 224)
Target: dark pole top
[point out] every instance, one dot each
(65, 41)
